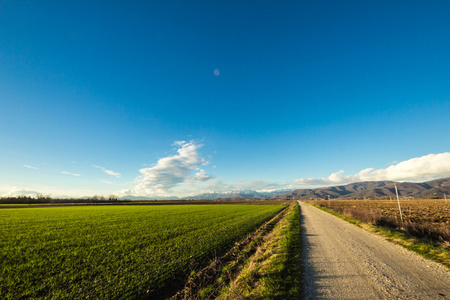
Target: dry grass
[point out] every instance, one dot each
(273, 272)
(423, 238)
(208, 282)
(423, 218)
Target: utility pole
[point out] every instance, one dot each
(398, 201)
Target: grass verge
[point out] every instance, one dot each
(274, 270)
(435, 251)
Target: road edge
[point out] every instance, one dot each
(423, 247)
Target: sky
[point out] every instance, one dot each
(178, 98)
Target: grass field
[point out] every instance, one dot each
(115, 251)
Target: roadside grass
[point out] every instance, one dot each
(116, 251)
(438, 252)
(423, 218)
(274, 270)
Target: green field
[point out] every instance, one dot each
(115, 251)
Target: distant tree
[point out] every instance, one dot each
(42, 197)
(112, 198)
(95, 197)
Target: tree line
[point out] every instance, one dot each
(40, 198)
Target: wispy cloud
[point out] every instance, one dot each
(171, 171)
(109, 182)
(68, 173)
(30, 167)
(420, 168)
(112, 173)
(109, 172)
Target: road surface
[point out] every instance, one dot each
(342, 261)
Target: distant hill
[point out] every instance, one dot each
(358, 190)
(375, 190)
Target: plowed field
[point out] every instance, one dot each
(423, 217)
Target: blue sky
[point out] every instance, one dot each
(179, 98)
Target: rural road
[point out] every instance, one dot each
(342, 261)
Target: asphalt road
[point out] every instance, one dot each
(343, 261)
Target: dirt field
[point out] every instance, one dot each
(342, 261)
(422, 217)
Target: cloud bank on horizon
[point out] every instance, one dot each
(16, 192)
(181, 175)
(426, 167)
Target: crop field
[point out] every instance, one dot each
(115, 251)
(428, 218)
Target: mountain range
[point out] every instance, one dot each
(376, 190)
(358, 190)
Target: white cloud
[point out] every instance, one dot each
(216, 185)
(253, 185)
(30, 167)
(171, 171)
(68, 173)
(15, 192)
(109, 182)
(112, 173)
(419, 168)
(201, 176)
(109, 172)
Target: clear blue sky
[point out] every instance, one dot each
(265, 94)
